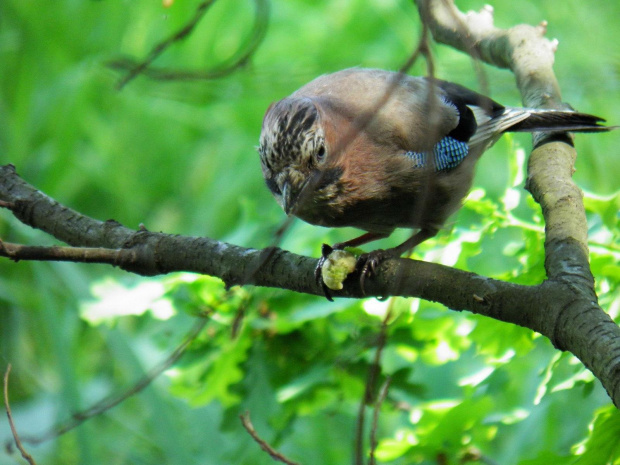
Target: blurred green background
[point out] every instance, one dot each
(180, 157)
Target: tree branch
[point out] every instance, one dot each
(530, 56)
(544, 308)
(17, 252)
(148, 253)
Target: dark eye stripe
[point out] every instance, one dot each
(328, 177)
(273, 186)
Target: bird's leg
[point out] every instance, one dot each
(371, 260)
(326, 250)
(361, 240)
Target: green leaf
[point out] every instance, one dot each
(602, 445)
(606, 207)
(548, 458)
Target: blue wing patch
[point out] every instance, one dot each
(448, 153)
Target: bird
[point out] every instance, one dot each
(379, 150)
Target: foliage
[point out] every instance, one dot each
(179, 157)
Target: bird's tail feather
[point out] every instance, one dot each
(534, 120)
(558, 120)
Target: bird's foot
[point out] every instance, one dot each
(369, 262)
(333, 268)
(336, 264)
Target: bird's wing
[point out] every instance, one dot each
(398, 111)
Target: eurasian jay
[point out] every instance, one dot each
(379, 150)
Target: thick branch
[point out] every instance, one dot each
(581, 325)
(547, 308)
(522, 48)
(149, 253)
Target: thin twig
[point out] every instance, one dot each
(426, 202)
(159, 48)
(363, 120)
(247, 424)
(106, 404)
(462, 30)
(237, 323)
(375, 419)
(373, 374)
(18, 443)
(17, 252)
(258, 34)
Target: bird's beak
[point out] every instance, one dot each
(288, 198)
(291, 196)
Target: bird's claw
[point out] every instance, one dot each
(368, 263)
(326, 250)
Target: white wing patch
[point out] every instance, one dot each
(481, 115)
(490, 129)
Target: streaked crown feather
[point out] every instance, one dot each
(291, 134)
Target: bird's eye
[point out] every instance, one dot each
(320, 153)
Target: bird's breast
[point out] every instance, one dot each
(380, 215)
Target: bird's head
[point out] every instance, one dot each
(295, 157)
